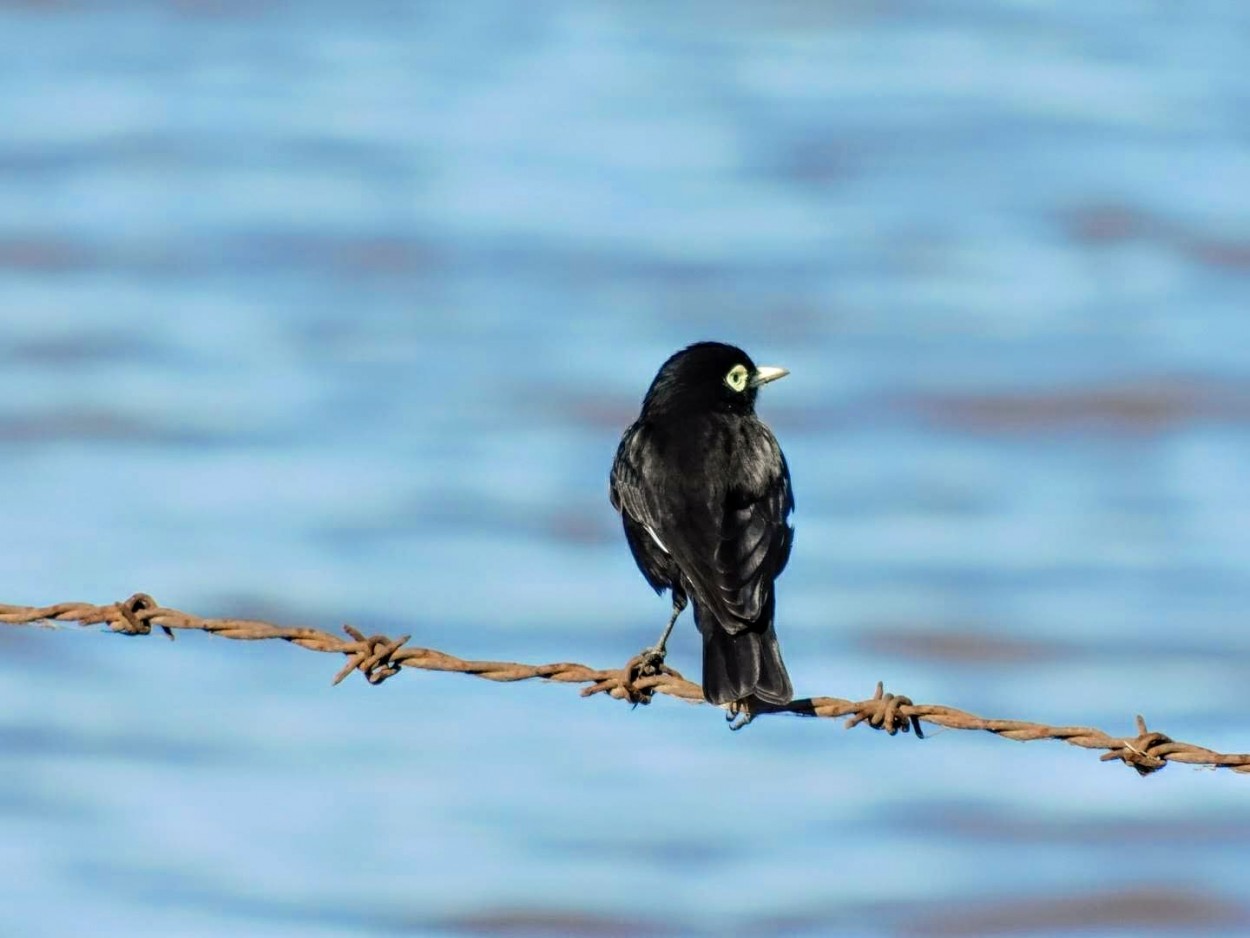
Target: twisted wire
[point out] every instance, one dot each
(378, 657)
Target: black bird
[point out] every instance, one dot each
(704, 495)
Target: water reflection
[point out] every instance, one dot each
(322, 317)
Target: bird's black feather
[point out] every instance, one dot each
(704, 495)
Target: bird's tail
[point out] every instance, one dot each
(737, 665)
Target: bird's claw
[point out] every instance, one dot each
(738, 714)
(648, 662)
(645, 664)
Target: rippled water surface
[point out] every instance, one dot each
(322, 316)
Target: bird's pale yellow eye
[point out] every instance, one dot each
(737, 378)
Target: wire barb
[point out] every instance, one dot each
(885, 712)
(1146, 753)
(372, 656)
(378, 658)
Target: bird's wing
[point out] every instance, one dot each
(755, 539)
(639, 512)
(626, 489)
(730, 551)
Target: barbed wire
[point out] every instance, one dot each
(378, 657)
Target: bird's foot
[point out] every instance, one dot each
(739, 713)
(647, 663)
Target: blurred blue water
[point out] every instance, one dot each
(324, 316)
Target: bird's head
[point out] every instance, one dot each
(708, 377)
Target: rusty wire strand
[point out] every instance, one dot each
(378, 657)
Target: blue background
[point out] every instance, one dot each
(319, 314)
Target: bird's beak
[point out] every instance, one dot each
(766, 373)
